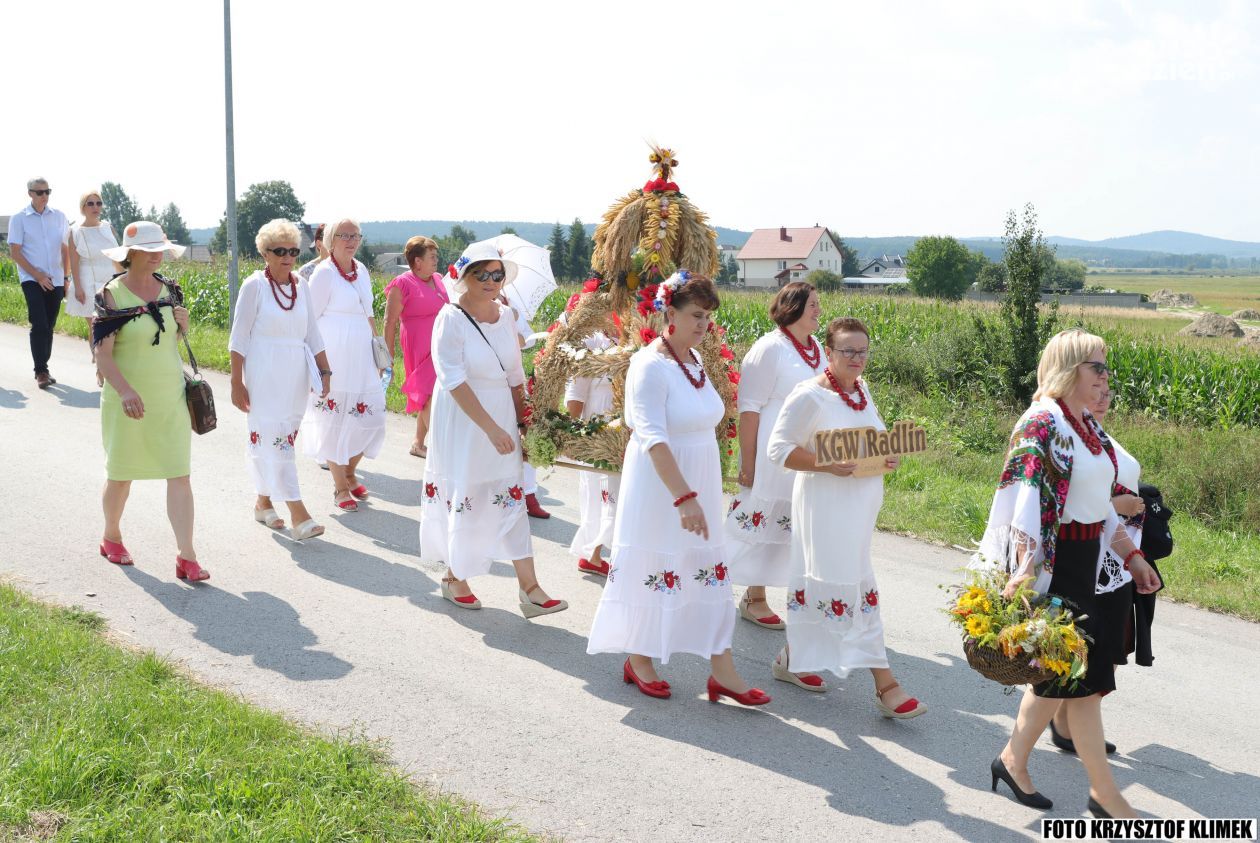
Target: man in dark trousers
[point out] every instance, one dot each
(37, 242)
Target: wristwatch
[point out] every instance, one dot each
(327, 372)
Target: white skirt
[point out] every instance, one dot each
(668, 590)
(351, 420)
(759, 536)
(597, 508)
(278, 382)
(473, 501)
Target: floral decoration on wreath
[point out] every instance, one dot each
(651, 242)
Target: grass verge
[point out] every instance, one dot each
(100, 743)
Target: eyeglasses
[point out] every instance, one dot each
(293, 253)
(349, 238)
(93, 204)
(45, 192)
(1100, 369)
(853, 353)
(496, 276)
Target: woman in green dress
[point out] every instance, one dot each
(145, 426)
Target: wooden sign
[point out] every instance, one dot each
(868, 446)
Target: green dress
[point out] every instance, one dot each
(159, 445)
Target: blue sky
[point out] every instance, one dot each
(873, 119)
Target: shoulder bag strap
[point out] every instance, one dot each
(483, 334)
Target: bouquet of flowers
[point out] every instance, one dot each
(1018, 640)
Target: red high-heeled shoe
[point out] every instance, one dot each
(658, 689)
(187, 569)
(753, 696)
(586, 567)
(360, 491)
(115, 552)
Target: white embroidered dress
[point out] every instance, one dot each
(668, 590)
(95, 269)
(351, 420)
(833, 607)
(597, 493)
(472, 503)
(759, 520)
(279, 347)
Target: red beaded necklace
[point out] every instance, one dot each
(812, 356)
(352, 274)
(858, 405)
(278, 291)
(698, 383)
(1089, 436)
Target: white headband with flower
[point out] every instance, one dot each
(666, 289)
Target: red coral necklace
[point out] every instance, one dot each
(1088, 435)
(812, 356)
(858, 405)
(352, 274)
(278, 291)
(698, 383)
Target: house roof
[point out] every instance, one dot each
(768, 244)
(796, 267)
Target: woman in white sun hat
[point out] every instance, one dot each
(144, 415)
(473, 498)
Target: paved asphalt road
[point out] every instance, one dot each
(349, 633)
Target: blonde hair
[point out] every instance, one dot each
(277, 231)
(85, 197)
(1067, 350)
(330, 231)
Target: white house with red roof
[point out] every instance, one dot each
(774, 256)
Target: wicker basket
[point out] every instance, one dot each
(992, 664)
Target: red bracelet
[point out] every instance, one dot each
(682, 500)
(1134, 552)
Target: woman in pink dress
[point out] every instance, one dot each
(414, 298)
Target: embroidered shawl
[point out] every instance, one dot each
(1023, 525)
(110, 320)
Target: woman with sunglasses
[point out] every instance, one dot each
(473, 500)
(348, 422)
(834, 612)
(90, 270)
(1050, 525)
(277, 361)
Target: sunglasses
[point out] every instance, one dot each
(45, 192)
(1100, 369)
(293, 253)
(486, 275)
(93, 204)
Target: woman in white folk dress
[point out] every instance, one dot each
(668, 588)
(584, 398)
(348, 423)
(833, 607)
(473, 501)
(90, 269)
(277, 361)
(759, 519)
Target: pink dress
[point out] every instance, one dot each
(421, 303)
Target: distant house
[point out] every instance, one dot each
(774, 256)
(728, 249)
(4, 229)
(884, 266)
(197, 252)
(386, 261)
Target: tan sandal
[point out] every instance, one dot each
(308, 529)
(908, 709)
(779, 668)
(269, 517)
(770, 621)
(468, 602)
(530, 609)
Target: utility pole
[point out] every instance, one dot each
(233, 272)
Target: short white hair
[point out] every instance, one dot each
(330, 231)
(30, 185)
(277, 231)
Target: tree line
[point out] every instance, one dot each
(120, 209)
(942, 267)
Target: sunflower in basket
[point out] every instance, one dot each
(1017, 640)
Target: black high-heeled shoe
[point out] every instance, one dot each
(1068, 745)
(1097, 810)
(1032, 800)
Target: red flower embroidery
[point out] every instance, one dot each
(292, 437)
(872, 598)
(515, 492)
(720, 571)
(839, 607)
(360, 408)
(800, 597)
(332, 405)
(757, 518)
(253, 437)
(430, 490)
(670, 577)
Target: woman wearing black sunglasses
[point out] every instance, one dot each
(277, 361)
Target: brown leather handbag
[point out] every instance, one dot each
(200, 398)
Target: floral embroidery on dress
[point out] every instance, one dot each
(734, 506)
(326, 405)
(361, 409)
(785, 523)
(870, 601)
(464, 505)
(430, 492)
(506, 500)
(834, 609)
(253, 438)
(606, 497)
(715, 576)
(756, 521)
(796, 600)
(666, 581)
(285, 443)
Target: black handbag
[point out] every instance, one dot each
(200, 398)
(1157, 538)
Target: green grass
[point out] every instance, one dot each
(122, 746)
(1219, 293)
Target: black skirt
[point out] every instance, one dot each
(1075, 581)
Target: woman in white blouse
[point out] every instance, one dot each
(669, 589)
(89, 267)
(277, 361)
(348, 423)
(473, 499)
(834, 611)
